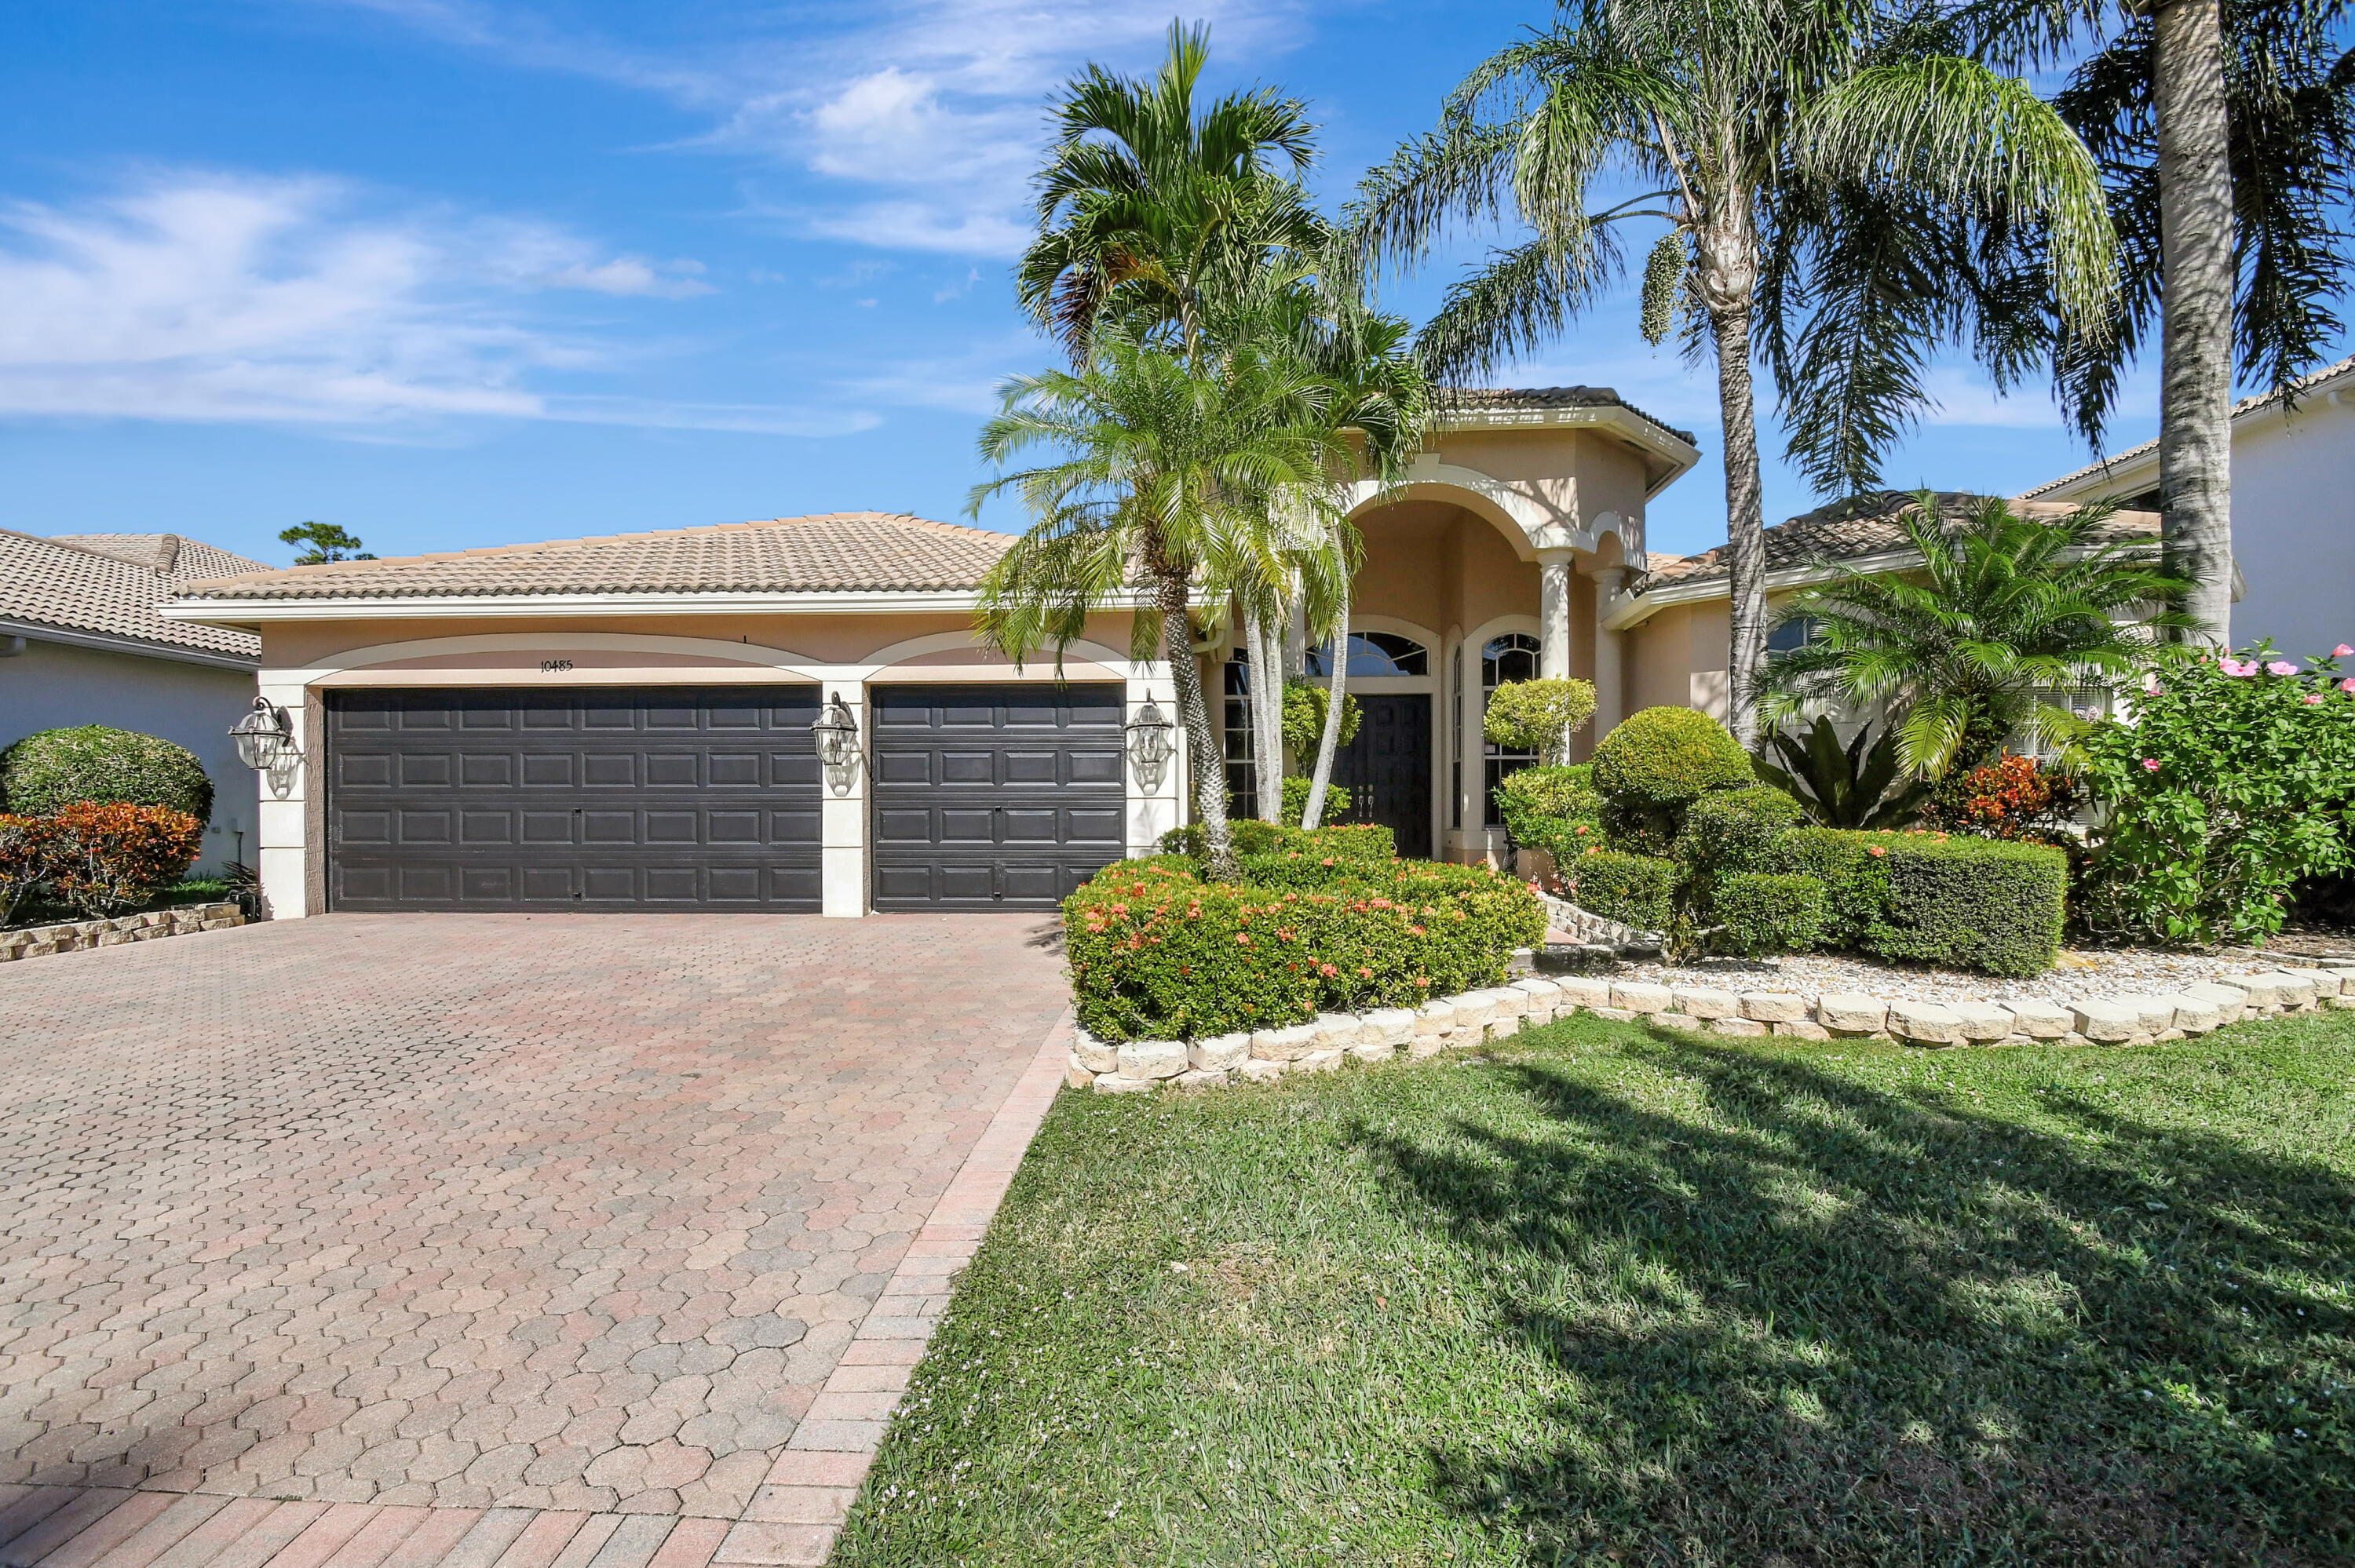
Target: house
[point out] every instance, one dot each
(630, 721)
(2293, 509)
(82, 642)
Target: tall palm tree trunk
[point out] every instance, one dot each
(1727, 261)
(1265, 683)
(1203, 752)
(1329, 743)
(2195, 226)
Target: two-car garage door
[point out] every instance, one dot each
(708, 798)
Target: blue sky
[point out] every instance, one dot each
(457, 272)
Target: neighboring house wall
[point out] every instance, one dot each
(2293, 524)
(50, 685)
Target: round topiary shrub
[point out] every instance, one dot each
(1654, 765)
(43, 774)
(1744, 830)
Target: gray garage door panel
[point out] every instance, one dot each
(586, 798)
(994, 796)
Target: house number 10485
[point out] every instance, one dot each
(550, 666)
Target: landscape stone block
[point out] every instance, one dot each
(2193, 1015)
(1219, 1053)
(1096, 1056)
(2230, 1000)
(2326, 982)
(1925, 1023)
(1801, 1029)
(1196, 1078)
(2264, 991)
(1983, 1019)
(2155, 1013)
(1707, 1002)
(1584, 990)
(1545, 999)
(1116, 1084)
(1850, 1013)
(1773, 1006)
(1077, 1074)
(1635, 996)
(1286, 1044)
(1434, 1018)
(1337, 1031)
(2295, 991)
(1319, 1062)
(2107, 1022)
(1473, 1008)
(1389, 1026)
(1153, 1058)
(2041, 1020)
(1739, 1026)
(1257, 1071)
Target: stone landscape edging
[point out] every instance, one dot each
(1477, 1017)
(73, 936)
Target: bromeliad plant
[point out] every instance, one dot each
(1855, 786)
(2234, 781)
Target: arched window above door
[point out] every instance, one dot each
(1375, 653)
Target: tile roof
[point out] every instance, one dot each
(109, 584)
(1868, 525)
(836, 551)
(2246, 406)
(1558, 397)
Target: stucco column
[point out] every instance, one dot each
(1610, 679)
(842, 814)
(1553, 614)
(282, 818)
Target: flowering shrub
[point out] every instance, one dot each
(2010, 798)
(1557, 810)
(2234, 780)
(1355, 840)
(97, 858)
(1928, 896)
(1158, 953)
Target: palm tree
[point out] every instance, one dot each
(2226, 136)
(2002, 609)
(1842, 191)
(1162, 473)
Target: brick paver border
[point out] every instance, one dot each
(791, 1521)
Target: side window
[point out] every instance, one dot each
(1512, 657)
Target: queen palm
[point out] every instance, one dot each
(1841, 190)
(2225, 131)
(2002, 609)
(1161, 475)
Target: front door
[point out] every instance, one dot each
(1387, 770)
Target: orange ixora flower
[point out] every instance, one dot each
(1876, 850)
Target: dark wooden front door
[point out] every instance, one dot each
(1387, 770)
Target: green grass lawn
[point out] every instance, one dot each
(1607, 1295)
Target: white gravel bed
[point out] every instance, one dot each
(2101, 973)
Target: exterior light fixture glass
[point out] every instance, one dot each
(836, 730)
(1148, 743)
(263, 736)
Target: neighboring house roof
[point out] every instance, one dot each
(839, 551)
(1865, 526)
(107, 588)
(1559, 397)
(2132, 457)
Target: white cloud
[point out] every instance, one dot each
(928, 112)
(220, 298)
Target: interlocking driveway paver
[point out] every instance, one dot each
(500, 1213)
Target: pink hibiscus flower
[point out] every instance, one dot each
(2150, 764)
(2341, 651)
(2281, 667)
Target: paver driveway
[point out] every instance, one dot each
(572, 1212)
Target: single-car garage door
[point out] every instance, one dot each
(579, 798)
(994, 797)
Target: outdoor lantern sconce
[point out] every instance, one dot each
(836, 729)
(1149, 744)
(263, 737)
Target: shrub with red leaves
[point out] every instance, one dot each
(2010, 798)
(105, 859)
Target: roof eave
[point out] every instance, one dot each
(253, 612)
(139, 647)
(1667, 458)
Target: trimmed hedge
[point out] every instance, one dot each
(1763, 912)
(1557, 810)
(43, 774)
(1931, 897)
(1636, 890)
(1357, 841)
(96, 858)
(1655, 764)
(1744, 830)
(1158, 953)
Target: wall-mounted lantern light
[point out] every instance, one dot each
(836, 730)
(1149, 744)
(263, 737)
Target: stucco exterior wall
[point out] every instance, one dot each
(2294, 526)
(52, 685)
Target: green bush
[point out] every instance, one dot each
(1745, 830)
(1757, 913)
(2236, 782)
(1636, 890)
(42, 774)
(1929, 898)
(1556, 810)
(1654, 765)
(1339, 802)
(1304, 720)
(1158, 953)
(1537, 715)
(1364, 840)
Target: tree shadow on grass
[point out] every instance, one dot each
(1820, 1323)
